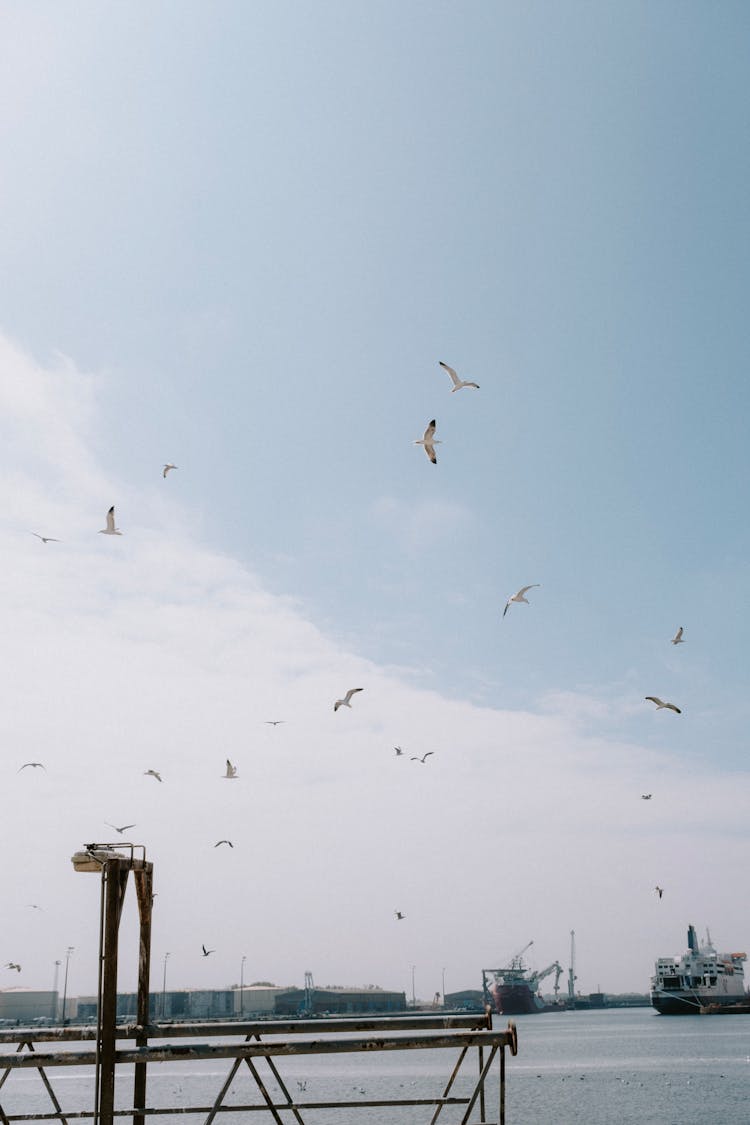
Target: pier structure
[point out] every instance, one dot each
(259, 1045)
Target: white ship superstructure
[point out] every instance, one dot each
(700, 978)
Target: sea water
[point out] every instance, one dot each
(618, 1066)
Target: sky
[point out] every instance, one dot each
(241, 238)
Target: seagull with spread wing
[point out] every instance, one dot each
(206, 952)
(429, 441)
(45, 538)
(110, 529)
(120, 830)
(347, 700)
(423, 758)
(218, 842)
(152, 773)
(168, 468)
(661, 705)
(457, 383)
(34, 765)
(678, 639)
(520, 596)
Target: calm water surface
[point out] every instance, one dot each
(624, 1067)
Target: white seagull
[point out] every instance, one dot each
(660, 704)
(13, 965)
(167, 468)
(520, 596)
(677, 639)
(399, 916)
(110, 529)
(152, 773)
(424, 756)
(429, 441)
(120, 830)
(207, 951)
(274, 722)
(45, 538)
(646, 796)
(457, 383)
(231, 771)
(34, 765)
(346, 701)
(659, 891)
(399, 751)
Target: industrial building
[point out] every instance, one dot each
(339, 1001)
(28, 1005)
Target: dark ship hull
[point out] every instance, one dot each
(515, 999)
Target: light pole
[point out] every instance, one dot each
(443, 986)
(68, 952)
(164, 988)
(242, 985)
(413, 993)
(54, 991)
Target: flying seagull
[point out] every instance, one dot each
(659, 891)
(223, 842)
(660, 704)
(231, 771)
(429, 441)
(110, 529)
(13, 965)
(45, 538)
(422, 759)
(457, 383)
(207, 951)
(152, 773)
(167, 467)
(120, 830)
(520, 596)
(346, 701)
(399, 916)
(399, 751)
(645, 796)
(677, 639)
(34, 765)
(33, 906)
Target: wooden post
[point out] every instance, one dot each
(115, 874)
(144, 882)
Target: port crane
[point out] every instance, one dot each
(555, 967)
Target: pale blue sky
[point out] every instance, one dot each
(259, 227)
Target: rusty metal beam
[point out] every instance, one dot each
(303, 1047)
(251, 1027)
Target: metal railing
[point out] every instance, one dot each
(264, 1043)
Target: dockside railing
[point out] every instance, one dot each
(262, 1046)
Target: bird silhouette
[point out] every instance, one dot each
(206, 952)
(423, 758)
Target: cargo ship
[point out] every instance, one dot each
(701, 980)
(514, 990)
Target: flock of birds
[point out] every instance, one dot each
(428, 441)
